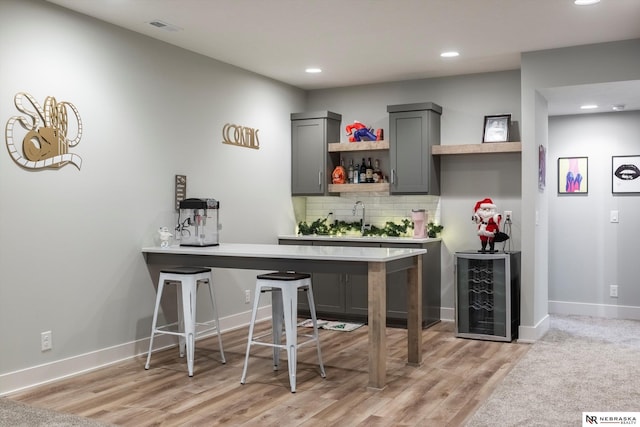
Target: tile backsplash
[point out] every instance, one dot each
(380, 207)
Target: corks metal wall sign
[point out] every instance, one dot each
(241, 136)
(45, 143)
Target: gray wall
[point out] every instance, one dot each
(588, 253)
(70, 258)
(589, 64)
(465, 101)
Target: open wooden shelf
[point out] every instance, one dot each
(354, 188)
(483, 148)
(334, 147)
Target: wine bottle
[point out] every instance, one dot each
(356, 174)
(350, 172)
(363, 172)
(377, 173)
(369, 171)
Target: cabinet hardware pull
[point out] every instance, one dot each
(393, 176)
(320, 179)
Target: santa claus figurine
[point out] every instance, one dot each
(488, 220)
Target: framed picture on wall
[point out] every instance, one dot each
(625, 174)
(542, 167)
(496, 128)
(573, 175)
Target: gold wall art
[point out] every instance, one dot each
(45, 143)
(241, 136)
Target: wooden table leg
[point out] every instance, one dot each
(377, 299)
(414, 320)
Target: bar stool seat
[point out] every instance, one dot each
(189, 278)
(284, 306)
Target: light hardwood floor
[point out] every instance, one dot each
(455, 377)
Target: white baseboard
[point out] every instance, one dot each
(447, 314)
(531, 334)
(42, 374)
(595, 310)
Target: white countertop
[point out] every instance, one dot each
(327, 253)
(356, 238)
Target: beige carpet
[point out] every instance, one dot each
(15, 414)
(582, 364)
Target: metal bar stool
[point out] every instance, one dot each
(284, 305)
(188, 278)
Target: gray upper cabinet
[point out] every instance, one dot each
(413, 130)
(310, 134)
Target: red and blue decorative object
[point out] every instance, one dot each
(359, 132)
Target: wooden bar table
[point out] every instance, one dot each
(376, 263)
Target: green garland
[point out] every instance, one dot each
(390, 229)
(433, 230)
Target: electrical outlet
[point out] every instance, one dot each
(46, 341)
(247, 296)
(508, 215)
(613, 291)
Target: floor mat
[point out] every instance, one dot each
(332, 326)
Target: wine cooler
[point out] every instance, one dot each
(487, 295)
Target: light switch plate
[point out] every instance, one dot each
(614, 216)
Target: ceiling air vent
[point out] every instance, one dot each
(164, 26)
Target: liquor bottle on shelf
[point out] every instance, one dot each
(369, 171)
(363, 172)
(377, 173)
(350, 172)
(356, 174)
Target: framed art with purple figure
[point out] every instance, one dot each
(573, 176)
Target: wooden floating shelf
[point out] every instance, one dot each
(335, 147)
(484, 148)
(354, 188)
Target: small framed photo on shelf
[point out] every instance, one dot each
(625, 174)
(573, 175)
(496, 128)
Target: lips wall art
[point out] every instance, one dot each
(625, 177)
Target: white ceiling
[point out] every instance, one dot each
(371, 41)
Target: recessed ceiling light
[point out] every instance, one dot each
(450, 54)
(585, 2)
(588, 106)
(313, 70)
(618, 107)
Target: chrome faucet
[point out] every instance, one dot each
(355, 209)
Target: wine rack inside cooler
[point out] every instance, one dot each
(487, 295)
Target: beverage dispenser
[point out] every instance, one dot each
(198, 222)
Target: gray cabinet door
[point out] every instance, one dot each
(329, 293)
(397, 285)
(357, 288)
(411, 134)
(353, 287)
(397, 295)
(307, 157)
(310, 134)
